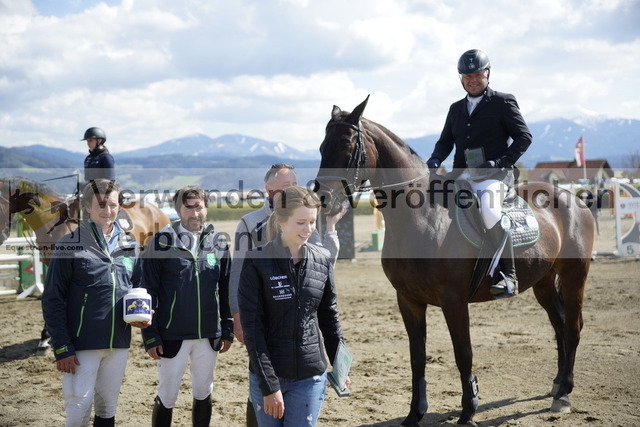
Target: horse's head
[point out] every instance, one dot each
(21, 202)
(344, 165)
(17, 195)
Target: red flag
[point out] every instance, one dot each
(579, 151)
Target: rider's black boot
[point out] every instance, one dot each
(161, 416)
(201, 412)
(104, 422)
(506, 273)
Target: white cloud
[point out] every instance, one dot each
(148, 71)
(11, 7)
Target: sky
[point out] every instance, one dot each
(147, 71)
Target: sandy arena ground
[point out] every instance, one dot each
(514, 358)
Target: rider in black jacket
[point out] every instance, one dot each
(480, 127)
(99, 163)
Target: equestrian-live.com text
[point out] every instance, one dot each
(44, 247)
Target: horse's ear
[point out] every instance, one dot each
(335, 112)
(355, 115)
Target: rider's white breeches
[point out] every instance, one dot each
(170, 371)
(97, 381)
(491, 194)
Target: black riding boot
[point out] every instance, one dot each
(104, 422)
(201, 412)
(161, 416)
(507, 267)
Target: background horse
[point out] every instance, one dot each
(51, 215)
(15, 201)
(428, 261)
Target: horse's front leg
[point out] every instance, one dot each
(414, 317)
(456, 314)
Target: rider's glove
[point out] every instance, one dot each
(433, 163)
(489, 164)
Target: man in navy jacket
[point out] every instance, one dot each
(186, 272)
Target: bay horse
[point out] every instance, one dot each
(51, 215)
(429, 262)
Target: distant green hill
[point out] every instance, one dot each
(162, 172)
(11, 158)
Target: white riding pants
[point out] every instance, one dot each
(170, 371)
(491, 194)
(97, 380)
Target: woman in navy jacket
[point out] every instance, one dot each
(287, 296)
(99, 163)
(91, 270)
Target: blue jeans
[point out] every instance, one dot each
(302, 401)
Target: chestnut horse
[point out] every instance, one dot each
(429, 262)
(51, 216)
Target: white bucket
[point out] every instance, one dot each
(137, 306)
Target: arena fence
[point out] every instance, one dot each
(20, 261)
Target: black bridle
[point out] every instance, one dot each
(357, 161)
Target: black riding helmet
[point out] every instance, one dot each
(94, 133)
(473, 61)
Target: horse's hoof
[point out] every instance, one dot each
(561, 405)
(467, 423)
(43, 351)
(412, 420)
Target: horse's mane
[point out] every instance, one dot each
(396, 140)
(20, 182)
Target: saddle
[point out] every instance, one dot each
(524, 226)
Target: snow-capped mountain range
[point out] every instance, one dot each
(225, 146)
(555, 139)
